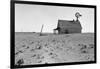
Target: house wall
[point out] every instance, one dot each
(69, 27)
(69, 30)
(74, 30)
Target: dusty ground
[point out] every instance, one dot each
(30, 48)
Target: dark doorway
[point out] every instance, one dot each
(66, 31)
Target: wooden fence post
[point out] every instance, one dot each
(41, 30)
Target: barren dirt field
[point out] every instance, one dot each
(31, 49)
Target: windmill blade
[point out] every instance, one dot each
(78, 14)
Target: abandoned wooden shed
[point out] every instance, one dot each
(67, 27)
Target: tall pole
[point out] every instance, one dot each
(41, 30)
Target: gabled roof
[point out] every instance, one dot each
(69, 24)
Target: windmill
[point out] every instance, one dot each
(77, 15)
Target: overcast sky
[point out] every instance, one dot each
(29, 18)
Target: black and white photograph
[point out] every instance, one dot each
(50, 34)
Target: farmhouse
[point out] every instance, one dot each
(67, 27)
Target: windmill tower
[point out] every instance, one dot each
(77, 15)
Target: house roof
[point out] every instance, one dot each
(69, 24)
